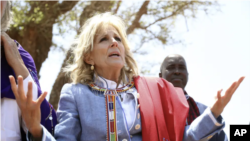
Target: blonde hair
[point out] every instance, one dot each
(6, 18)
(79, 70)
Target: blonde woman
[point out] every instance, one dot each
(16, 61)
(108, 100)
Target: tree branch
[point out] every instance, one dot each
(34, 4)
(135, 23)
(66, 6)
(179, 10)
(117, 6)
(93, 8)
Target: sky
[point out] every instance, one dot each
(217, 53)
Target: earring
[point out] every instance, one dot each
(92, 67)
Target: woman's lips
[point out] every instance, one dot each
(114, 53)
(114, 56)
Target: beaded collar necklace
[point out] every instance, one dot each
(110, 104)
(118, 90)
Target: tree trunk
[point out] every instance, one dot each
(38, 46)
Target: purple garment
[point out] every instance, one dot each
(6, 70)
(6, 91)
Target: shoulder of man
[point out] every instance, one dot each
(202, 107)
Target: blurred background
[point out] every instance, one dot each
(213, 37)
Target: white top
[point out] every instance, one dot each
(11, 115)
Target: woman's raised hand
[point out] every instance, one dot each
(30, 109)
(222, 101)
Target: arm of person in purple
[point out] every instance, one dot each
(48, 119)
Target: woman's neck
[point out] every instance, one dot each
(109, 74)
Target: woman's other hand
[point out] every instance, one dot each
(222, 101)
(12, 55)
(30, 109)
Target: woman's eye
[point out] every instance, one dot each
(118, 39)
(103, 39)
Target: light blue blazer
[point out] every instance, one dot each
(82, 117)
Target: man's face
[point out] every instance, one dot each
(174, 70)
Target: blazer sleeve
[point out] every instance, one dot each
(68, 127)
(204, 127)
(220, 136)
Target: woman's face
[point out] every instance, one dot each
(3, 4)
(108, 52)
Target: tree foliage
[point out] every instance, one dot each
(34, 21)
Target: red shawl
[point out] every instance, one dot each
(163, 109)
